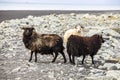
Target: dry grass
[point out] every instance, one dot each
(116, 29)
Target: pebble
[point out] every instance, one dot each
(110, 66)
(114, 74)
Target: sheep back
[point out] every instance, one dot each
(41, 42)
(83, 45)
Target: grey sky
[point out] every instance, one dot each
(59, 5)
(69, 2)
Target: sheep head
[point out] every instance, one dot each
(78, 28)
(99, 37)
(28, 31)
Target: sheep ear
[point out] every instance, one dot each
(33, 28)
(75, 27)
(23, 28)
(82, 27)
(99, 35)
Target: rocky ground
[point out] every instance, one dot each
(14, 56)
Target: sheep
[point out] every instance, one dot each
(76, 31)
(78, 45)
(42, 43)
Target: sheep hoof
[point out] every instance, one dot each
(30, 60)
(35, 60)
(53, 61)
(82, 62)
(93, 63)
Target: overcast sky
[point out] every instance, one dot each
(81, 2)
(60, 4)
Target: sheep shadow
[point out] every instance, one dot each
(90, 65)
(59, 61)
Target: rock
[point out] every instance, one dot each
(113, 68)
(100, 78)
(61, 72)
(81, 69)
(30, 17)
(110, 66)
(92, 32)
(73, 14)
(102, 67)
(106, 45)
(114, 74)
(51, 74)
(96, 72)
(18, 78)
(71, 79)
(117, 57)
(110, 52)
(104, 55)
(16, 69)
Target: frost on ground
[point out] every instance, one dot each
(14, 57)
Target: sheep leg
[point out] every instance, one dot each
(31, 56)
(52, 54)
(56, 54)
(70, 58)
(73, 59)
(35, 56)
(83, 59)
(92, 57)
(64, 57)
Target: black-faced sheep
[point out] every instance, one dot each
(42, 43)
(77, 46)
(77, 30)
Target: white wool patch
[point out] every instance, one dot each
(76, 31)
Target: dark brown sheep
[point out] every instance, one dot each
(77, 46)
(42, 43)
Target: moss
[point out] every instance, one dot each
(116, 29)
